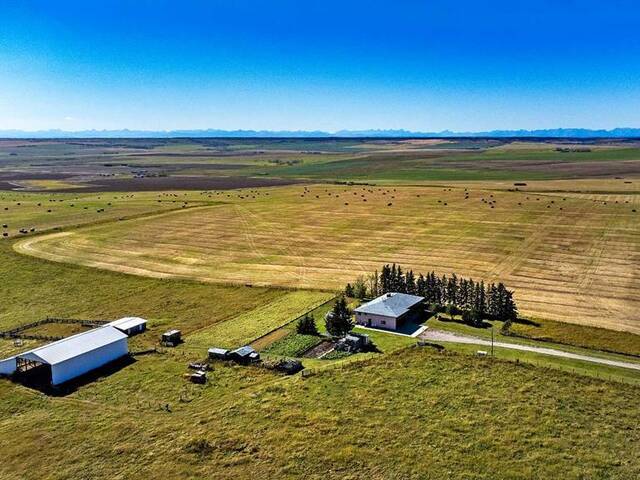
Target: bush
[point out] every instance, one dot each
(200, 447)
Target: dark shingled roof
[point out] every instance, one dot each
(390, 304)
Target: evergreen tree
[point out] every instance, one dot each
(492, 301)
(393, 279)
(348, 290)
(360, 288)
(307, 326)
(385, 280)
(421, 287)
(479, 301)
(374, 284)
(400, 282)
(463, 294)
(410, 281)
(338, 321)
(452, 290)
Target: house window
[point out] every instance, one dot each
(383, 322)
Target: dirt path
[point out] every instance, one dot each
(440, 336)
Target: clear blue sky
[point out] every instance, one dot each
(294, 64)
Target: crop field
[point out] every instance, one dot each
(202, 164)
(39, 211)
(569, 257)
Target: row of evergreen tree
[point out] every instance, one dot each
(475, 299)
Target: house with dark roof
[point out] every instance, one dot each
(389, 311)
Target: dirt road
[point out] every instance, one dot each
(440, 336)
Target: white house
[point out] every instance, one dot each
(130, 325)
(389, 311)
(71, 357)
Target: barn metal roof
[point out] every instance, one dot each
(75, 345)
(126, 323)
(390, 304)
(218, 351)
(244, 351)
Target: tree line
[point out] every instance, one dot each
(474, 300)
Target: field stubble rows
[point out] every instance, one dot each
(568, 258)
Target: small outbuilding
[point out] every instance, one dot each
(218, 354)
(130, 325)
(353, 342)
(390, 311)
(171, 338)
(244, 355)
(199, 377)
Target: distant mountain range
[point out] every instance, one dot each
(548, 133)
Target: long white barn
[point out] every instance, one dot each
(70, 357)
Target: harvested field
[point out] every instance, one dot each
(569, 258)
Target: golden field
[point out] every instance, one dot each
(570, 254)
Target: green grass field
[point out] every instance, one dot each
(415, 414)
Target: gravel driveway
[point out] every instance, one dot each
(440, 336)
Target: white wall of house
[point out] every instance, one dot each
(376, 321)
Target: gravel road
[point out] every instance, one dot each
(440, 336)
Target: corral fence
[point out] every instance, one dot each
(21, 331)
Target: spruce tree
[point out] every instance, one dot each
(420, 287)
(307, 326)
(338, 322)
(360, 288)
(348, 290)
(410, 281)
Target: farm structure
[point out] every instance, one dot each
(171, 338)
(69, 358)
(130, 325)
(389, 311)
(244, 355)
(353, 343)
(218, 354)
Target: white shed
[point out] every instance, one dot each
(71, 357)
(130, 325)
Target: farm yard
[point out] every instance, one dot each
(553, 248)
(234, 266)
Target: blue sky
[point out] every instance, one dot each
(328, 65)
